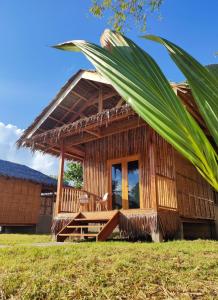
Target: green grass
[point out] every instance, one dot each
(14, 239)
(109, 270)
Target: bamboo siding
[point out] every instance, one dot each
(19, 202)
(119, 145)
(169, 179)
(165, 174)
(194, 194)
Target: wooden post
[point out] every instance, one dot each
(100, 101)
(152, 163)
(60, 180)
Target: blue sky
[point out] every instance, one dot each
(31, 73)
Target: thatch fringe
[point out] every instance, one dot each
(170, 223)
(141, 226)
(138, 226)
(58, 224)
(56, 134)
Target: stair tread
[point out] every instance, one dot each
(92, 220)
(85, 226)
(78, 234)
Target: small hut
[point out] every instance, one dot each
(132, 177)
(26, 199)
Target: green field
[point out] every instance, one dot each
(107, 270)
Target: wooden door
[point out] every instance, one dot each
(124, 182)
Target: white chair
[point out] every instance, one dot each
(102, 203)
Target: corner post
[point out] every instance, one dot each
(152, 165)
(60, 180)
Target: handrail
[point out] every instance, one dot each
(70, 200)
(84, 191)
(196, 207)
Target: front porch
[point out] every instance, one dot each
(134, 224)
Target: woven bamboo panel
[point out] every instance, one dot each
(194, 194)
(165, 174)
(120, 145)
(19, 202)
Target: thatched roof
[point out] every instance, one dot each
(74, 112)
(72, 98)
(102, 119)
(10, 169)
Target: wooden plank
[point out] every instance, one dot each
(108, 228)
(79, 234)
(85, 226)
(92, 220)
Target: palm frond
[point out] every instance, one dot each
(202, 81)
(140, 82)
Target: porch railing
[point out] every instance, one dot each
(191, 206)
(70, 200)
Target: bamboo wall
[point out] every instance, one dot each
(19, 202)
(132, 142)
(195, 197)
(165, 174)
(176, 184)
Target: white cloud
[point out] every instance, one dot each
(9, 134)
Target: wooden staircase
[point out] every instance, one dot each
(98, 227)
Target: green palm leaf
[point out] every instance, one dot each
(139, 80)
(203, 83)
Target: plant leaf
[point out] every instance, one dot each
(139, 80)
(203, 83)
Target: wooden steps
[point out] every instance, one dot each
(82, 226)
(78, 234)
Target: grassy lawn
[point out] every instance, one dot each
(15, 239)
(108, 270)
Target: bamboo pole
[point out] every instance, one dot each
(100, 101)
(152, 165)
(60, 180)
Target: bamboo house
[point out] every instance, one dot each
(133, 179)
(24, 195)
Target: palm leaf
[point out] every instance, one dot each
(139, 80)
(203, 83)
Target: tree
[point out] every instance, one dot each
(140, 82)
(74, 174)
(125, 12)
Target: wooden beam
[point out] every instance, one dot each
(71, 110)
(56, 120)
(60, 180)
(119, 103)
(100, 101)
(93, 100)
(92, 84)
(97, 134)
(114, 128)
(65, 108)
(80, 96)
(78, 151)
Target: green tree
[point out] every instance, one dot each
(124, 13)
(74, 174)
